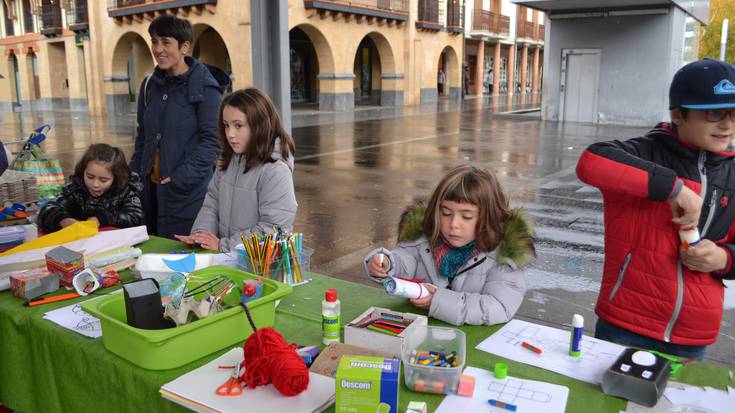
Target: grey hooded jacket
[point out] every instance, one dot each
(488, 289)
(240, 203)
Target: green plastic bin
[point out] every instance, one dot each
(175, 347)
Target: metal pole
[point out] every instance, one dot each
(723, 41)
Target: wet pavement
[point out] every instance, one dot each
(355, 174)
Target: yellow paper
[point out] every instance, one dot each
(73, 232)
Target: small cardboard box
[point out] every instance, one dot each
(362, 337)
(29, 284)
(367, 385)
(65, 262)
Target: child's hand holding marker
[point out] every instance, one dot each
(378, 265)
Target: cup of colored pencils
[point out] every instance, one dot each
(279, 255)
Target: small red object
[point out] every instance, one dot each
(249, 290)
(331, 295)
(532, 348)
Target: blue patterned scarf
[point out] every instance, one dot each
(449, 260)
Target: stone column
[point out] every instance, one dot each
(480, 67)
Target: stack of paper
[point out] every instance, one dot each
(196, 391)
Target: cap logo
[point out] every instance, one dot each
(725, 87)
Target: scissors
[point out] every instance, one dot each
(232, 386)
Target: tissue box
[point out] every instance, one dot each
(367, 385)
(389, 344)
(32, 283)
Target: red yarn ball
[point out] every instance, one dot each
(269, 359)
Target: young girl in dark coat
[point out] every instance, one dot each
(102, 189)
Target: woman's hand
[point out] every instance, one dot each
(378, 265)
(426, 301)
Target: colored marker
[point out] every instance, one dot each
(39, 300)
(503, 405)
(532, 348)
(575, 341)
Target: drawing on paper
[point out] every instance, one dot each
(533, 335)
(513, 389)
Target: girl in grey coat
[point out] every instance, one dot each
(467, 246)
(252, 190)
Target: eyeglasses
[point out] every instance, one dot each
(717, 115)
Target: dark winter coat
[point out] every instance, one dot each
(645, 287)
(121, 209)
(178, 117)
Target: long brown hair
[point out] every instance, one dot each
(265, 126)
(471, 185)
(112, 156)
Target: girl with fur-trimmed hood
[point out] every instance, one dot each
(467, 246)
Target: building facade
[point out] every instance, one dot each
(93, 55)
(504, 47)
(612, 61)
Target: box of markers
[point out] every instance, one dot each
(385, 330)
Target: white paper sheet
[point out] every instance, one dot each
(103, 241)
(527, 395)
(699, 399)
(73, 318)
(198, 389)
(597, 355)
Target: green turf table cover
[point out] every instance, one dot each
(46, 368)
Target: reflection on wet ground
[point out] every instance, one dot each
(355, 174)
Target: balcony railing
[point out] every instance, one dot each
(125, 8)
(487, 21)
(531, 31)
(390, 10)
(51, 24)
(454, 16)
(77, 16)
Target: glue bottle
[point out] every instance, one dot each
(330, 318)
(575, 348)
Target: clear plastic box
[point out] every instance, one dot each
(434, 379)
(278, 269)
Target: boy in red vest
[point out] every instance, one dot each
(656, 292)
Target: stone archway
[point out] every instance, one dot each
(209, 47)
(131, 63)
(448, 62)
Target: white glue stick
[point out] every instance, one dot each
(689, 237)
(407, 289)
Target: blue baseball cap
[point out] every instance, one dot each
(703, 85)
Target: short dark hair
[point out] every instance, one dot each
(168, 25)
(265, 126)
(104, 153)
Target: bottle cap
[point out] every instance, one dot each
(501, 371)
(331, 295)
(577, 321)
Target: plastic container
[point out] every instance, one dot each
(275, 271)
(434, 379)
(175, 347)
(152, 266)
